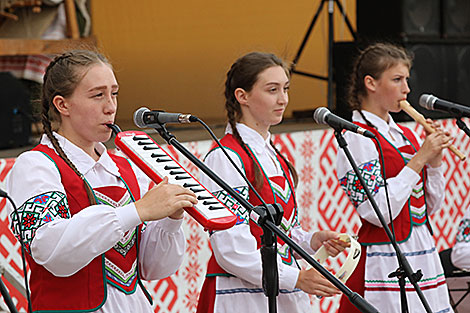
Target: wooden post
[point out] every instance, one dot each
(71, 15)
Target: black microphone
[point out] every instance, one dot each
(143, 118)
(431, 102)
(324, 116)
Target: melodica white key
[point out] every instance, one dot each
(156, 163)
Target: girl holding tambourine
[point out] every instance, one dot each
(256, 93)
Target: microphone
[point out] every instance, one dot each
(324, 116)
(143, 118)
(431, 102)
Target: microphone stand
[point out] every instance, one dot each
(4, 270)
(7, 298)
(262, 216)
(461, 124)
(404, 268)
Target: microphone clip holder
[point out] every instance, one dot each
(273, 213)
(461, 124)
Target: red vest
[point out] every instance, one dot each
(86, 289)
(269, 195)
(371, 234)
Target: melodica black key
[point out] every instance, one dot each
(156, 163)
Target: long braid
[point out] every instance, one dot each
(48, 131)
(233, 115)
(356, 87)
(61, 77)
(369, 123)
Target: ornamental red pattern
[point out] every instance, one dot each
(322, 202)
(193, 271)
(307, 173)
(307, 149)
(306, 199)
(193, 243)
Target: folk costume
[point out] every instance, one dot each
(88, 258)
(234, 276)
(413, 198)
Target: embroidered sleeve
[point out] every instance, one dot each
(350, 183)
(463, 234)
(243, 216)
(38, 211)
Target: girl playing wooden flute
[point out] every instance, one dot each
(415, 185)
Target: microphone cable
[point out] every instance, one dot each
(387, 195)
(23, 258)
(250, 186)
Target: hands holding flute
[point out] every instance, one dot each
(437, 139)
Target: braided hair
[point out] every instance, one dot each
(62, 76)
(243, 74)
(373, 61)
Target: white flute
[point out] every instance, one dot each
(418, 117)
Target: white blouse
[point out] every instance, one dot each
(64, 246)
(235, 249)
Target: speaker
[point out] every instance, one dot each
(462, 74)
(344, 53)
(456, 19)
(448, 78)
(15, 112)
(396, 20)
(430, 73)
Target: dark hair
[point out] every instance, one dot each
(62, 76)
(373, 61)
(244, 73)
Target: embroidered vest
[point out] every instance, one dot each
(86, 289)
(275, 190)
(414, 211)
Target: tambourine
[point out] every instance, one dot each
(354, 254)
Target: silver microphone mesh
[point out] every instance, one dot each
(320, 114)
(427, 101)
(139, 117)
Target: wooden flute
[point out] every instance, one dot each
(418, 117)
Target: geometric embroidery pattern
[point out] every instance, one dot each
(126, 243)
(37, 211)
(287, 224)
(393, 285)
(117, 274)
(418, 205)
(463, 234)
(418, 190)
(104, 199)
(418, 215)
(242, 214)
(351, 185)
(285, 252)
(283, 193)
